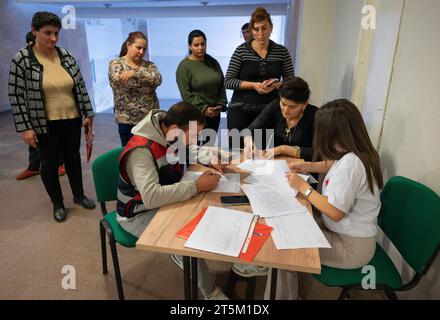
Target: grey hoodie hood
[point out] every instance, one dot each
(150, 128)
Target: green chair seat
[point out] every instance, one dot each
(386, 273)
(121, 236)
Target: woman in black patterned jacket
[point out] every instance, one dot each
(49, 100)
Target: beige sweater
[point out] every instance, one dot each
(57, 87)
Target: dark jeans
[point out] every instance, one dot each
(125, 133)
(240, 119)
(210, 123)
(64, 136)
(34, 159)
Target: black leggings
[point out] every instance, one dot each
(64, 136)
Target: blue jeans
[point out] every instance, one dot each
(125, 133)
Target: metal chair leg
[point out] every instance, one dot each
(116, 268)
(103, 249)
(273, 284)
(194, 279)
(187, 277)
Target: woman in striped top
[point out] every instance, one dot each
(254, 72)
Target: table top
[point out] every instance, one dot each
(160, 235)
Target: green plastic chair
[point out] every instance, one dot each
(105, 176)
(410, 217)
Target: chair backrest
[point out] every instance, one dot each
(410, 217)
(105, 170)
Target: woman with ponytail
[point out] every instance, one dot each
(255, 73)
(134, 82)
(200, 80)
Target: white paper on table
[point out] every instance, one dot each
(229, 182)
(252, 165)
(268, 201)
(221, 231)
(251, 179)
(273, 172)
(297, 231)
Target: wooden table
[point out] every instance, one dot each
(160, 236)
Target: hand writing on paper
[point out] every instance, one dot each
(296, 182)
(217, 166)
(207, 181)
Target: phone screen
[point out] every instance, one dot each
(234, 200)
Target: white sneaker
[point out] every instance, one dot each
(178, 260)
(216, 294)
(248, 270)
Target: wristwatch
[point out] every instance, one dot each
(308, 192)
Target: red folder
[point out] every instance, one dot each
(259, 236)
(186, 231)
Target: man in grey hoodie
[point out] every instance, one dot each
(150, 174)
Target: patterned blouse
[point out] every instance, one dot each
(134, 99)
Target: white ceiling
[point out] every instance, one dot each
(155, 3)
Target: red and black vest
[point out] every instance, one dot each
(129, 202)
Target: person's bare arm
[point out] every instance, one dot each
(316, 199)
(314, 167)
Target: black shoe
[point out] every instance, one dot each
(59, 213)
(85, 202)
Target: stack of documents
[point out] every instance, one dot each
(272, 197)
(268, 201)
(271, 173)
(229, 182)
(222, 231)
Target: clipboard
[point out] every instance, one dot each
(259, 236)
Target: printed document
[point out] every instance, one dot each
(221, 231)
(297, 231)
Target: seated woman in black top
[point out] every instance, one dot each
(292, 120)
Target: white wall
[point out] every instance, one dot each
(410, 140)
(313, 40)
(403, 79)
(344, 41)
(381, 63)
(328, 39)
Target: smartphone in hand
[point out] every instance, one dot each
(271, 81)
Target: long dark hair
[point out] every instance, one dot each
(209, 61)
(132, 36)
(340, 129)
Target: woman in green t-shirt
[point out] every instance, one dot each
(201, 81)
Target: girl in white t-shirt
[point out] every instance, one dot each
(350, 202)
